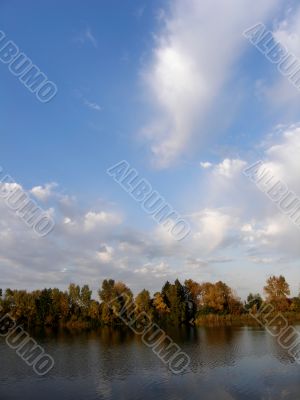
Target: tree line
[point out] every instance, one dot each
(175, 304)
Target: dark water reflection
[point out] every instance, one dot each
(226, 363)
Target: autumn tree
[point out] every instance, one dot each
(175, 304)
(193, 295)
(161, 309)
(277, 290)
(194, 290)
(74, 301)
(143, 304)
(216, 297)
(295, 304)
(117, 300)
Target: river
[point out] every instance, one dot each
(242, 363)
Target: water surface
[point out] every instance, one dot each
(226, 363)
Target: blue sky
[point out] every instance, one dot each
(165, 85)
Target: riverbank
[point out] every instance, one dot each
(247, 319)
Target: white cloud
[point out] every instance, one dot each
(205, 164)
(160, 270)
(262, 224)
(192, 60)
(43, 193)
(287, 32)
(226, 242)
(105, 253)
(228, 168)
(93, 220)
(211, 228)
(280, 91)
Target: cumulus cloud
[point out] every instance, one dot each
(159, 270)
(43, 193)
(228, 242)
(262, 225)
(205, 164)
(229, 168)
(105, 253)
(92, 220)
(211, 228)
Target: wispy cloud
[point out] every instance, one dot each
(87, 36)
(192, 60)
(139, 12)
(92, 105)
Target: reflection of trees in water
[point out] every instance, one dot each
(123, 367)
(277, 351)
(227, 363)
(220, 336)
(115, 336)
(216, 347)
(207, 348)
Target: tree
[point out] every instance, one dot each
(44, 306)
(107, 292)
(174, 296)
(295, 304)
(193, 295)
(143, 303)
(107, 295)
(277, 290)
(216, 298)
(175, 304)
(117, 301)
(194, 291)
(60, 306)
(74, 300)
(94, 312)
(85, 300)
(254, 302)
(143, 307)
(160, 307)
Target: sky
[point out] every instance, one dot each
(175, 90)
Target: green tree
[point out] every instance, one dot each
(174, 296)
(85, 300)
(254, 302)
